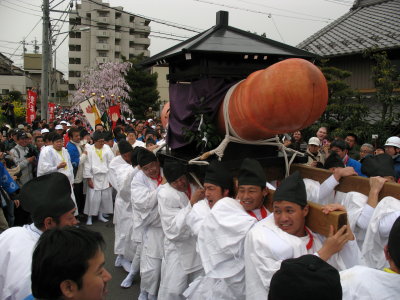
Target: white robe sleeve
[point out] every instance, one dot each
(144, 200)
(87, 167)
(46, 164)
(386, 223)
(172, 214)
(196, 216)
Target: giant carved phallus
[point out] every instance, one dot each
(287, 96)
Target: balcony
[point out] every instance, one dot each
(137, 52)
(142, 41)
(118, 35)
(100, 59)
(118, 22)
(103, 33)
(117, 48)
(102, 20)
(101, 46)
(142, 28)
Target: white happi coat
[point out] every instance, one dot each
(377, 234)
(363, 283)
(147, 227)
(356, 204)
(197, 215)
(121, 175)
(266, 246)
(17, 245)
(98, 171)
(220, 244)
(323, 193)
(49, 159)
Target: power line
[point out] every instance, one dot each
(21, 6)
(58, 4)
(260, 12)
(33, 28)
(167, 23)
(340, 2)
(286, 10)
(167, 38)
(19, 10)
(276, 27)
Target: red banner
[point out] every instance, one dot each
(31, 98)
(115, 113)
(50, 111)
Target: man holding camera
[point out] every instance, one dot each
(23, 157)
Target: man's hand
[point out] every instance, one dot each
(197, 196)
(90, 183)
(31, 159)
(326, 209)
(313, 164)
(335, 242)
(344, 172)
(62, 164)
(376, 184)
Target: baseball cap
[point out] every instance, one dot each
(59, 127)
(314, 141)
(44, 130)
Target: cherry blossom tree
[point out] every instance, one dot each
(107, 85)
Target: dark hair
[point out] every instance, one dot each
(62, 254)
(56, 137)
(340, 144)
(38, 137)
(71, 132)
(353, 136)
(108, 136)
(98, 125)
(117, 130)
(78, 122)
(84, 133)
(48, 136)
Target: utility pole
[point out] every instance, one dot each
(45, 60)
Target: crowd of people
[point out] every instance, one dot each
(216, 239)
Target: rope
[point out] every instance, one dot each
(232, 136)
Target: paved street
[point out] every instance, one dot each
(115, 292)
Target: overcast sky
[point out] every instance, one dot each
(288, 21)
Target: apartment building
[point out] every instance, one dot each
(100, 33)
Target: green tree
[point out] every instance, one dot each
(386, 80)
(345, 111)
(15, 95)
(144, 93)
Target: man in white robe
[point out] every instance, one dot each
(48, 199)
(96, 170)
(55, 158)
(221, 237)
(121, 175)
(218, 184)
(365, 283)
(360, 208)
(181, 263)
(284, 235)
(144, 188)
(133, 235)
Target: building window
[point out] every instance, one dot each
(131, 19)
(5, 91)
(71, 87)
(103, 13)
(75, 35)
(74, 73)
(102, 40)
(117, 28)
(102, 27)
(102, 53)
(73, 60)
(117, 15)
(75, 48)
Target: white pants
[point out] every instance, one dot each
(98, 201)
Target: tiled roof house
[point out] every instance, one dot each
(369, 23)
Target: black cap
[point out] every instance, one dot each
(292, 189)
(251, 173)
(333, 161)
(21, 135)
(97, 135)
(379, 165)
(217, 174)
(307, 277)
(394, 243)
(124, 147)
(173, 169)
(145, 157)
(108, 136)
(47, 196)
(135, 155)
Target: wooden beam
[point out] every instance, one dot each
(320, 223)
(347, 184)
(316, 220)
